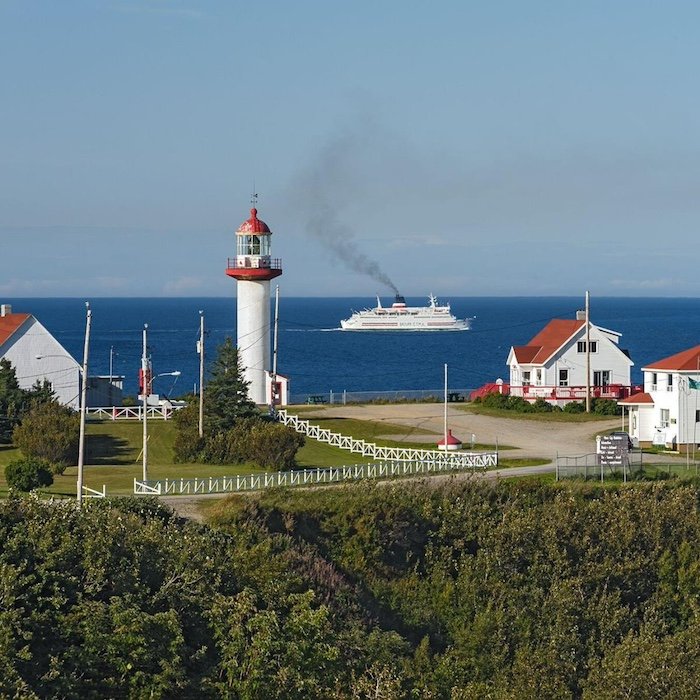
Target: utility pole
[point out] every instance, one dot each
(444, 445)
(200, 349)
(111, 374)
(83, 404)
(274, 348)
(145, 388)
(588, 354)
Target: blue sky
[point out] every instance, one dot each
(466, 148)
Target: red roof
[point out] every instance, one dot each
(641, 397)
(9, 324)
(687, 360)
(547, 341)
(451, 439)
(253, 225)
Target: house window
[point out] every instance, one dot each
(669, 382)
(538, 377)
(581, 346)
(654, 381)
(665, 417)
(563, 377)
(601, 377)
(526, 377)
(697, 416)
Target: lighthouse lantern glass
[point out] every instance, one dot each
(256, 244)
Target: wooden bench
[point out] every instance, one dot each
(316, 399)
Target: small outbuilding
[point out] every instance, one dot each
(453, 443)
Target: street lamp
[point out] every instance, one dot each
(83, 400)
(147, 384)
(147, 387)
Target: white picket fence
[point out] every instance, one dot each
(388, 462)
(460, 460)
(130, 412)
(302, 477)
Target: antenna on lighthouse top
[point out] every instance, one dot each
(254, 197)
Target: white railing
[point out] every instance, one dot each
(130, 412)
(92, 493)
(388, 462)
(310, 477)
(377, 452)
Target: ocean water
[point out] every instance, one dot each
(318, 357)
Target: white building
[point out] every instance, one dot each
(667, 411)
(552, 366)
(36, 355)
(253, 268)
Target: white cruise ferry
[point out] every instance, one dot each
(399, 317)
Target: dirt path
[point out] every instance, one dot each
(531, 438)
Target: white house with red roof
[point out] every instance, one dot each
(552, 366)
(36, 355)
(667, 412)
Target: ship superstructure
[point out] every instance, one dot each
(400, 317)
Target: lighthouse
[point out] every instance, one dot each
(253, 268)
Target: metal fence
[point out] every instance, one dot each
(345, 397)
(307, 477)
(590, 466)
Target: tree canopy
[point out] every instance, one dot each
(226, 392)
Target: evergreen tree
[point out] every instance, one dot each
(226, 394)
(13, 400)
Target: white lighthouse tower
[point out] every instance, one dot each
(253, 268)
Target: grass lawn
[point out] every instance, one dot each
(371, 430)
(113, 453)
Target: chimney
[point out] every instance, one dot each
(581, 315)
(5, 309)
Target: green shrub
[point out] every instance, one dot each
(274, 446)
(605, 407)
(542, 406)
(574, 407)
(28, 474)
(518, 403)
(50, 432)
(496, 400)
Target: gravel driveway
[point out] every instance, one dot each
(531, 438)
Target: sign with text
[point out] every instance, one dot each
(614, 449)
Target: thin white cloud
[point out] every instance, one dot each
(661, 283)
(182, 285)
(157, 7)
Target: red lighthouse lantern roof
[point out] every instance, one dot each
(253, 225)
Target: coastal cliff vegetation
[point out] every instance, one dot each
(452, 590)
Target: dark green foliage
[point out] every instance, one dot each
(117, 601)
(42, 392)
(542, 406)
(574, 407)
(454, 591)
(273, 445)
(518, 591)
(51, 432)
(234, 431)
(187, 445)
(605, 407)
(269, 445)
(226, 392)
(13, 401)
(28, 474)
